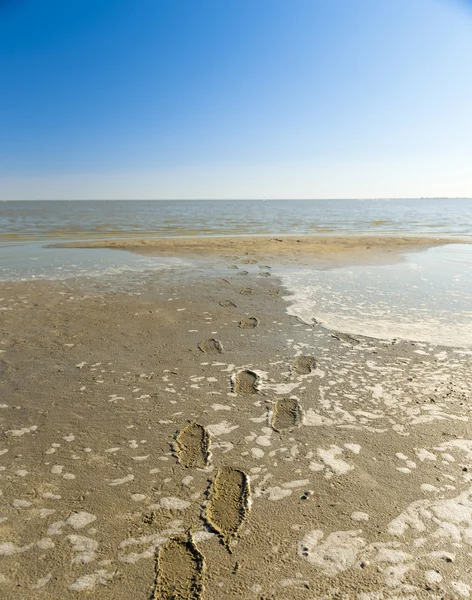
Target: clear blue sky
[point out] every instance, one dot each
(235, 98)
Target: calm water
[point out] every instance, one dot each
(426, 298)
(74, 220)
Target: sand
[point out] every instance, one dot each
(282, 249)
(151, 447)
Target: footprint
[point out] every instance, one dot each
(211, 346)
(249, 323)
(265, 267)
(287, 414)
(245, 382)
(233, 267)
(179, 571)
(228, 303)
(249, 261)
(224, 281)
(243, 273)
(228, 503)
(274, 292)
(303, 365)
(192, 446)
(246, 291)
(265, 274)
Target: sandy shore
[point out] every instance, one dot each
(183, 437)
(286, 249)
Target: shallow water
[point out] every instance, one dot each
(88, 219)
(426, 298)
(31, 260)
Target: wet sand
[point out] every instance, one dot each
(286, 249)
(182, 438)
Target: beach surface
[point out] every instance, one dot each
(285, 249)
(180, 436)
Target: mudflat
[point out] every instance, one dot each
(288, 249)
(181, 437)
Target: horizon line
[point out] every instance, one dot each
(361, 199)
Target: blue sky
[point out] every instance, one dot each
(235, 98)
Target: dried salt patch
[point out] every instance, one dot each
(359, 516)
(395, 574)
(88, 582)
(45, 544)
(80, 519)
(313, 419)
(423, 455)
(21, 473)
(263, 440)
(202, 536)
(141, 458)
(403, 470)
(329, 457)
(42, 582)
(110, 450)
(123, 480)
(68, 476)
(291, 485)
(51, 496)
(390, 555)
(433, 577)
(335, 554)
(7, 549)
(217, 407)
(187, 480)
(222, 428)
(85, 547)
(22, 431)
(262, 419)
(172, 504)
(21, 503)
(277, 493)
(57, 469)
(69, 438)
(401, 456)
(257, 453)
(56, 528)
(461, 588)
(4, 451)
(46, 512)
(448, 457)
(314, 466)
(354, 448)
(427, 487)
(81, 365)
(138, 497)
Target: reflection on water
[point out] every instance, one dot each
(73, 220)
(426, 298)
(27, 261)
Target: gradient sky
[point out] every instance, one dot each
(235, 98)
